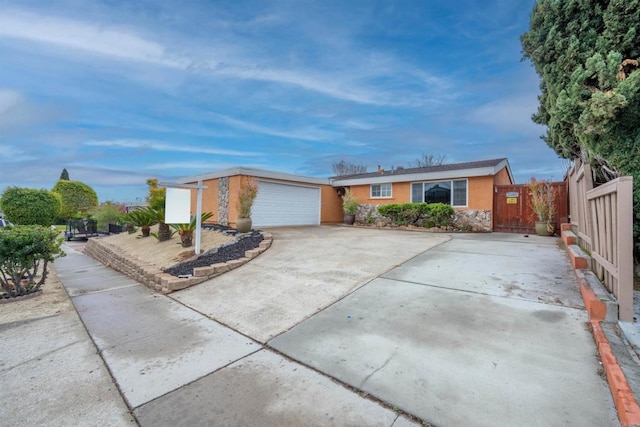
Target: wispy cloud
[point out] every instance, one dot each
(18, 113)
(305, 134)
(162, 146)
(92, 38)
(347, 82)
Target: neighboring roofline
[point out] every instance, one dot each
(258, 173)
(425, 176)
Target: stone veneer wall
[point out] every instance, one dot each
(223, 200)
(465, 220)
(473, 220)
(154, 278)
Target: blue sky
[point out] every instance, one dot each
(118, 91)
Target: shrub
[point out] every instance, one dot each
(349, 203)
(26, 206)
(142, 217)
(76, 197)
(441, 214)
(25, 251)
(425, 214)
(246, 196)
(108, 213)
(405, 213)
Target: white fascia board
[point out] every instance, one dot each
(415, 177)
(257, 173)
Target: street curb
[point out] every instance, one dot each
(626, 405)
(598, 310)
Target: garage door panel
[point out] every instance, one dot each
(285, 204)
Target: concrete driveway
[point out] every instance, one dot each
(482, 330)
(305, 270)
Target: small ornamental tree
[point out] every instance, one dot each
(156, 200)
(27, 206)
(157, 196)
(77, 197)
(64, 175)
(25, 252)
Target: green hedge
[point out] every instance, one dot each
(28, 206)
(423, 214)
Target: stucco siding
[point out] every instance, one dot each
(480, 193)
(330, 205)
(502, 177)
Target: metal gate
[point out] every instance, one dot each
(512, 212)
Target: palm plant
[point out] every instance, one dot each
(142, 217)
(186, 230)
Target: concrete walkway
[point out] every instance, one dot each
(462, 330)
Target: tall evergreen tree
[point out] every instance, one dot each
(64, 175)
(587, 54)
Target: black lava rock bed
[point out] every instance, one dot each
(224, 253)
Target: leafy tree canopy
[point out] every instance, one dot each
(587, 54)
(343, 168)
(77, 197)
(157, 196)
(27, 206)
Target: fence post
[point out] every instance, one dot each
(625, 248)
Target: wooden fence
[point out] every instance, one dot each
(602, 218)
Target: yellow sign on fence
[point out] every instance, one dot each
(512, 200)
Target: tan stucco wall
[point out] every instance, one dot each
(502, 177)
(209, 199)
(480, 193)
(330, 205)
(400, 193)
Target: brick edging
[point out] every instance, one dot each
(154, 278)
(626, 404)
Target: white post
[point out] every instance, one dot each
(198, 187)
(198, 216)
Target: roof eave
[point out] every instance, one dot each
(424, 176)
(258, 173)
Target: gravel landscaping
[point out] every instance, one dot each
(224, 253)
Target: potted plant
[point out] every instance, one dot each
(186, 230)
(349, 207)
(143, 218)
(248, 193)
(543, 203)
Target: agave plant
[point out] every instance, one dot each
(144, 218)
(186, 230)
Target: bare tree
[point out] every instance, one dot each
(426, 160)
(342, 168)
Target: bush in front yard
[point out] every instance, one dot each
(440, 215)
(424, 214)
(28, 206)
(25, 251)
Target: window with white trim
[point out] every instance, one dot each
(452, 192)
(379, 191)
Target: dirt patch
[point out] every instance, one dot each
(167, 253)
(53, 300)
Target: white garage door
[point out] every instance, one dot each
(285, 204)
